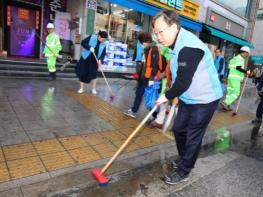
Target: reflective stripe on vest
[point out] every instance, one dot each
(148, 69)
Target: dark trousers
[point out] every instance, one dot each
(260, 108)
(189, 128)
(138, 98)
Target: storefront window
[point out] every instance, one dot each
(122, 24)
(240, 6)
(260, 14)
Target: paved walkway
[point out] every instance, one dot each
(47, 127)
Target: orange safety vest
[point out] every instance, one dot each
(148, 69)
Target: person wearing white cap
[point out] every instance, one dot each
(236, 75)
(51, 50)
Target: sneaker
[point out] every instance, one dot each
(130, 113)
(155, 124)
(256, 120)
(175, 178)
(93, 91)
(81, 90)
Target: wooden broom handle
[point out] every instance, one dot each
(128, 140)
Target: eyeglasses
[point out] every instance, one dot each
(161, 32)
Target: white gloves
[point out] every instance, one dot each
(91, 49)
(150, 83)
(162, 99)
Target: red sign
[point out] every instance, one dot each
(8, 17)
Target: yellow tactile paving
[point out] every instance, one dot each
(58, 160)
(19, 151)
(25, 167)
(131, 146)
(126, 131)
(114, 135)
(84, 155)
(1, 155)
(158, 138)
(144, 141)
(95, 139)
(105, 150)
(48, 146)
(73, 142)
(4, 175)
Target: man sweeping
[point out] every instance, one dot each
(236, 76)
(51, 51)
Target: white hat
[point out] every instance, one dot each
(245, 49)
(50, 26)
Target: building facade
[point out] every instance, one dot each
(257, 41)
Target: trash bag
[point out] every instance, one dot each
(151, 95)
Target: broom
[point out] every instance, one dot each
(239, 100)
(111, 92)
(171, 114)
(99, 174)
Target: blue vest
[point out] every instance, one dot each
(217, 61)
(139, 51)
(205, 86)
(93, 43)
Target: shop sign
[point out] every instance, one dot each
(177, 4)
(185, 8)
(91, 4)
(190, 10)
(224, 24)
(168, 4)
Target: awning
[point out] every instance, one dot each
(190, 24)
(137, 5)
(226, 36)
(151, 10)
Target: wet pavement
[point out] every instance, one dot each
(51, 134)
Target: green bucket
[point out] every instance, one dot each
(222, 141)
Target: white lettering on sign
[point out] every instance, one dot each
(54, 6)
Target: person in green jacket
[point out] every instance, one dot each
(51, 51)
(236, 75)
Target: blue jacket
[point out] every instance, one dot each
(217, 65)
(205, 86)
(139, 51)
(93, 43)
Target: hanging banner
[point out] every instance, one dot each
(62, 25)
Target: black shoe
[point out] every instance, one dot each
(175, 163)
(256, 120)
(175, 178)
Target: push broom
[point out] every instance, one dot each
(239, 100)
(99, 174)
(111, 92)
